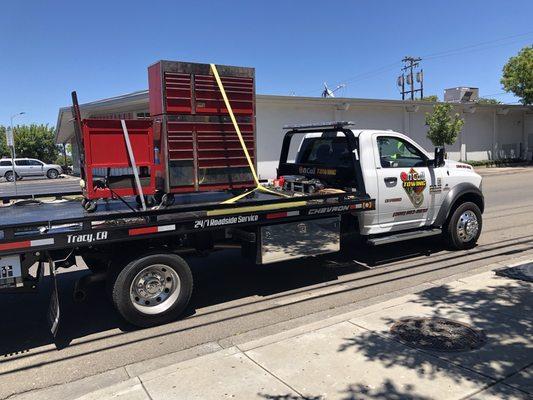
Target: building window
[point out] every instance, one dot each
(143, 115)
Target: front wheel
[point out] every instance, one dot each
(464, 226)
(153, 289)
(52, 174)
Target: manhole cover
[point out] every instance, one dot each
(438, 334)
(522, 272)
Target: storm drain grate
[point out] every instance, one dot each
(523, 272)
(438, 334)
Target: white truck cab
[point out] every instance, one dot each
(417, 194)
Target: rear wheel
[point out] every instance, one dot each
(168, 199)
(464, 226)
(165, 199)
(153, 289)
(9, 176)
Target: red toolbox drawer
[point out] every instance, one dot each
(204, 153)
(188, 88)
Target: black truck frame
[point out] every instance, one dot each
(111, 239)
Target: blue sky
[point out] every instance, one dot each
(102, 48)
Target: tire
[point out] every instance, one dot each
(90, 205)
(52, 174)
(463, 227)
(168, 199)
(139, 291)
(9, 176)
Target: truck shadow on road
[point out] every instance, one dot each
(219, 278)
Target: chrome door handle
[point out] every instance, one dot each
(390, 181)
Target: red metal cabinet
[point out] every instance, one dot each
(106, 157)
(200, 148)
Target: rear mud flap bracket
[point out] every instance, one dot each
(53, 309)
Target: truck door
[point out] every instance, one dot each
(404, 181)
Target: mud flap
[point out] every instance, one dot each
(53, 310)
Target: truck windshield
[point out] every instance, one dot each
(330, 151)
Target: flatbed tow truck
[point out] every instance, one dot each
(336, 181)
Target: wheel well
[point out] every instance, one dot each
(468, 197)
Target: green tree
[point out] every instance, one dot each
(443, 126)
(36, 141)
(518, 75)
(4, 150)
(483, 100)
(432, 97)
(60, 160)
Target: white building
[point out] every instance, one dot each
(491, 131)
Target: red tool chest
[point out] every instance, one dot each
(198, 142)
(107, 159)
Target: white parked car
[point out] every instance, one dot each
(25, 167)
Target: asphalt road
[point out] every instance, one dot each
(235, 301)
(39, 186)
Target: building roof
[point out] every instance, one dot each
(124, 103)
(138, 101)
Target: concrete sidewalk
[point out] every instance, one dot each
(354, 355)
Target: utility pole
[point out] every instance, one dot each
(408, 75)
(10, 135)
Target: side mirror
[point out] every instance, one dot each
(439, 157)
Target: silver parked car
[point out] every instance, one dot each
(25, 167)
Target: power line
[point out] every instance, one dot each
(470, 51)
(443, 53)
(431, 56)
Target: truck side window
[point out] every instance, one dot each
(331, 151)
(397, 153)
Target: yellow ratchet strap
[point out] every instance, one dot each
(259, 187)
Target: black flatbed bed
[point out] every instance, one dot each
(39, 212)
(63, 224)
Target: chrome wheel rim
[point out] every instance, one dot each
(467, 226)
(53, 174)
(155, 289)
